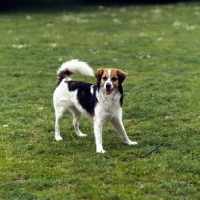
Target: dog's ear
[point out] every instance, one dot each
(121, 75)
(98, 74)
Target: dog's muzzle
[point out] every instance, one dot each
(109, 88)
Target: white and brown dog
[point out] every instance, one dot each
(101, 102)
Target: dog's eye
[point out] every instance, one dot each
(105, 78)
(114, 78)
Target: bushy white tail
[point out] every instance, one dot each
(73, 67)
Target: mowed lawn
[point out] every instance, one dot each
(158, 46)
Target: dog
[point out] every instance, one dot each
(100, 103)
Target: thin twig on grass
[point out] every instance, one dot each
(150, 152)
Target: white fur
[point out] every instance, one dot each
(107, 109)
(76, 66)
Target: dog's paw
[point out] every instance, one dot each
(58, 138)
(131, 143)
(82, 135)
(101, 151)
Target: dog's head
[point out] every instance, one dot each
(109, 79)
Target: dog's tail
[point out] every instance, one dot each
(73, 67)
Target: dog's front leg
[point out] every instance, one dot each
(117, 124)
(119, 127)
(98, 136)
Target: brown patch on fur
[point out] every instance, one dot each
(114, 77)
(121, 75)
(98, 75)
(62, 75)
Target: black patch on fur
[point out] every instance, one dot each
(86, 99)
(122, 94)
(98, 84)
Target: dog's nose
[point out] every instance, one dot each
(108, 85)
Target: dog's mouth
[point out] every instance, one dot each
(108, 91)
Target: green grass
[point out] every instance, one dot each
(159, 48)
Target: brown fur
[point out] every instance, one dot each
(62, 75)
(117, 76)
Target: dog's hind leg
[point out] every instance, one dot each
(77, 116)
(59, 112)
